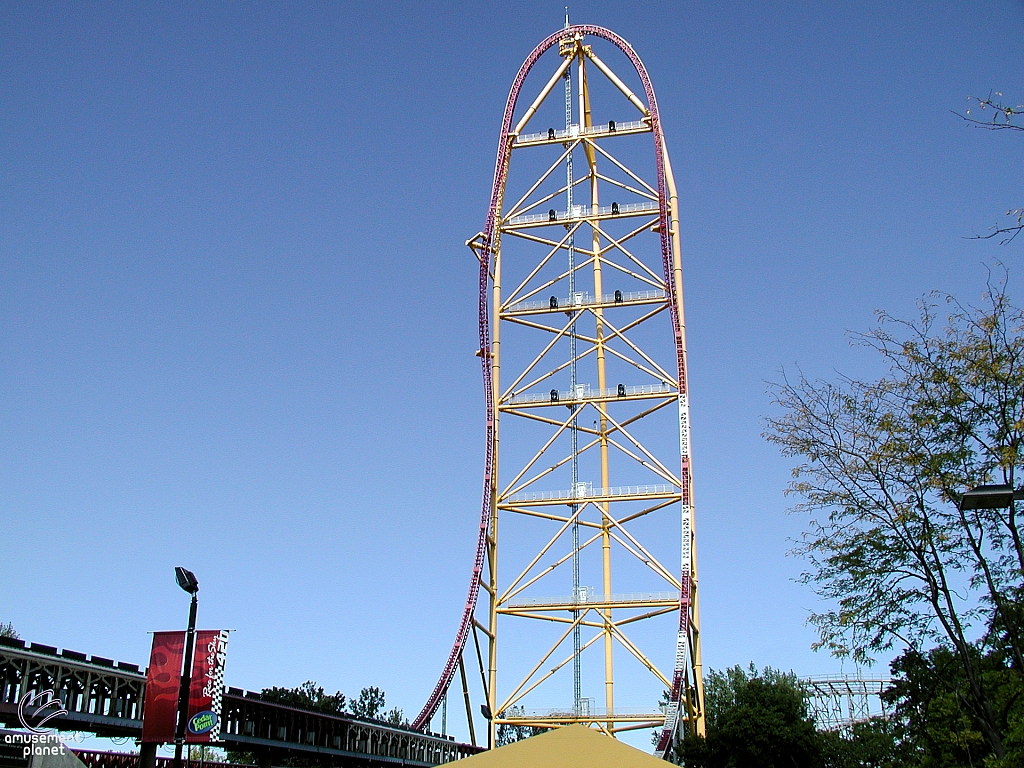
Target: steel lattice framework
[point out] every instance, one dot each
(583, 352)
(105, 698)
(837, 703)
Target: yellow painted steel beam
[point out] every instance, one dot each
(629, 646)
(556, 247)
(544, 550)
(648, 615)
(536, 360)
(532, 109)
(573, 719)
(644, 512)
(621, 185)
(512, 697)
(537, 577)
(618, 84)
(545, 516)
(551, 618)
(668, 494)
(616, 244)
(515, 211)
(596, 604)
(639, 726)
(622, 167)
(645, 557)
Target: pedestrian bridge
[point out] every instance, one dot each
(105, 697)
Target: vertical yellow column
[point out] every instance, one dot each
(602, 384)
(492, 544)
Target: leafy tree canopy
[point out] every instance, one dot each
(884, 464)
(754, 719)
(931, 701)
(370, 703)
(310, 696)
(506, 733)
(761, 720)
(874, 743)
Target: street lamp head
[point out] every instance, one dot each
(186, 580)
(990, 497)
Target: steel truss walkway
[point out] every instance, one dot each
(105, 698)
(838, 702)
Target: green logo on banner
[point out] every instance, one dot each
(202, 722)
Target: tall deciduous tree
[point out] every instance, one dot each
(509, 734)
(754, 719)
(927, 699)
(883, 466)
(309, 695)
(370, 703)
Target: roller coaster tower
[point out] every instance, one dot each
(583, 352)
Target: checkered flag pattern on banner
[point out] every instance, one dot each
(217, 697)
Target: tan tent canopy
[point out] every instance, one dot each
(574, 746)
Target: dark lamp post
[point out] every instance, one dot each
(188, 582)
(990, 497)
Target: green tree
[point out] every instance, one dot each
(396, 716)
(755, 719)
(201, 753)
(884, 464)
(7, 630)
(874, 743)
(309, 695)
(507, 733)
(930, 700)
(370, 703)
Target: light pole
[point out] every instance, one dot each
(188, 582)
(990, 497)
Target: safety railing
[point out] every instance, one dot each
(589, 597)
(584, 211)
(584, 299)
(595, 712)
(586, 392)
(585, 491)
(573, 131)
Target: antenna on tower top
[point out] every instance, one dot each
(567, 17)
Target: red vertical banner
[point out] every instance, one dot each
(162, 682)
(207, 689)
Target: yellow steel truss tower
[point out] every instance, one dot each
(587, 555)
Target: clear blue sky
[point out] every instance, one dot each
(237, 318)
